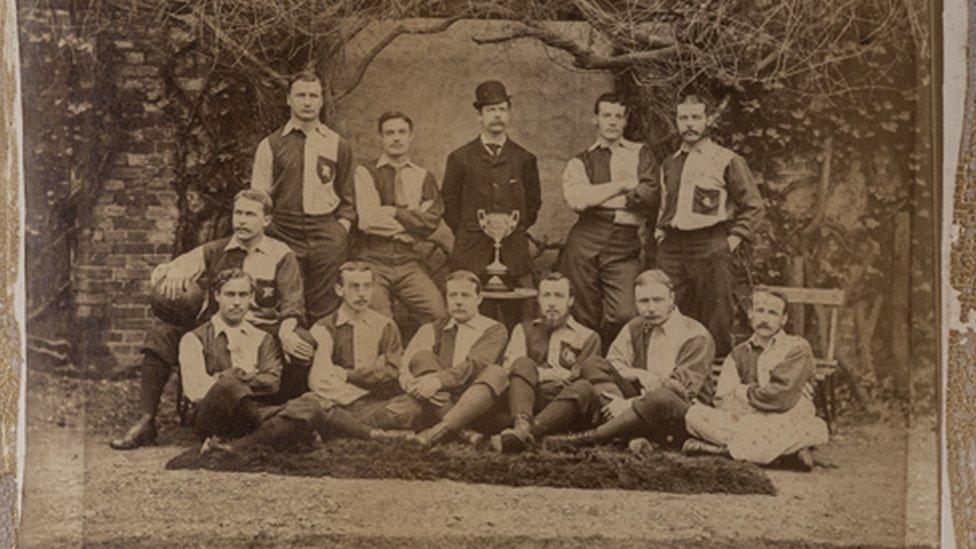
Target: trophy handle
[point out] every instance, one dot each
(515, 216)
(481, 217)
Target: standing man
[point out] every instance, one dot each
(601, 256)
(543, 357)
(277, 307)
(657, 365)
(228, 366)
(495, 174)
(307, 168)
(709, 205)
(398, 204)
(764, 400)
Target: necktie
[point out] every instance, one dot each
(494, 148)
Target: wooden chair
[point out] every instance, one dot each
(826, 305)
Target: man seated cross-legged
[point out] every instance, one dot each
(543, 357)
(452, 376)
(764, 399)
(353, 376)
(228, 366)
(656, 366)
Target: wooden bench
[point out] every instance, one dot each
(825, 304)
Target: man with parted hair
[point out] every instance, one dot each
(658, 364)
(452, 372)
(602, 252)
(399, 204)
(307, 168)
(228, 366)
(706, 204)
(764, 396)
(353, 376)
(543, 357)
(277, 307)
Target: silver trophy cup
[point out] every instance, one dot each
(497, 225)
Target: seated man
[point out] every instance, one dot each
(278, 306)
(399, 204)
(667, 354)
(452, 375)
(764, 400)
(543, 356)
(354, 373)
(228, 364)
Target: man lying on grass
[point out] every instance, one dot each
(764, 400)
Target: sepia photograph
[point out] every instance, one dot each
(481, 273)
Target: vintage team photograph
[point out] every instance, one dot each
(525, 273)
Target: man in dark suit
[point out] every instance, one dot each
(495, 174)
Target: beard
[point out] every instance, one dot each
(554, 323)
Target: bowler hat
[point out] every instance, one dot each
(489, 93)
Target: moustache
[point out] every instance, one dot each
(763, 325)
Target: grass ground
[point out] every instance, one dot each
(877, 487)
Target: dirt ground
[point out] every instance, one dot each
(877, 487)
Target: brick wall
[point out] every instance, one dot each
(134, 220)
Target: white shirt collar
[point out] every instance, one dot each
(291, 126)
(477, 322)
(500, 142)
(385, 160)
(343, 316)
(258, 246)
(773, 341)
(620, 143)
(221, 326)
(686, 148)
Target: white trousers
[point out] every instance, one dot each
(759, 437)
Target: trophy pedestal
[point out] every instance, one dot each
(495, 281)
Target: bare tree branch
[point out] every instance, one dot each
(400, 30)
(583, 57)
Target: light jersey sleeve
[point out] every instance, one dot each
(374, 218)
(423, 340)
(261, 170)
(189, 265)
(193, 368)
(621, 354)
(516, 347)
(326, 379)
(579, 192)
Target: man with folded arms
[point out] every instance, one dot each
(398, 204)
(658, 364)
(353, 375)
(543, 356)
(602, 252)
(228, 366)
(453, 375)
(764, 400)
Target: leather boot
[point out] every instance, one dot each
(142, 433)
(572, 441)
(515, 439)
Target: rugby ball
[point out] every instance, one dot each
(181, 311)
